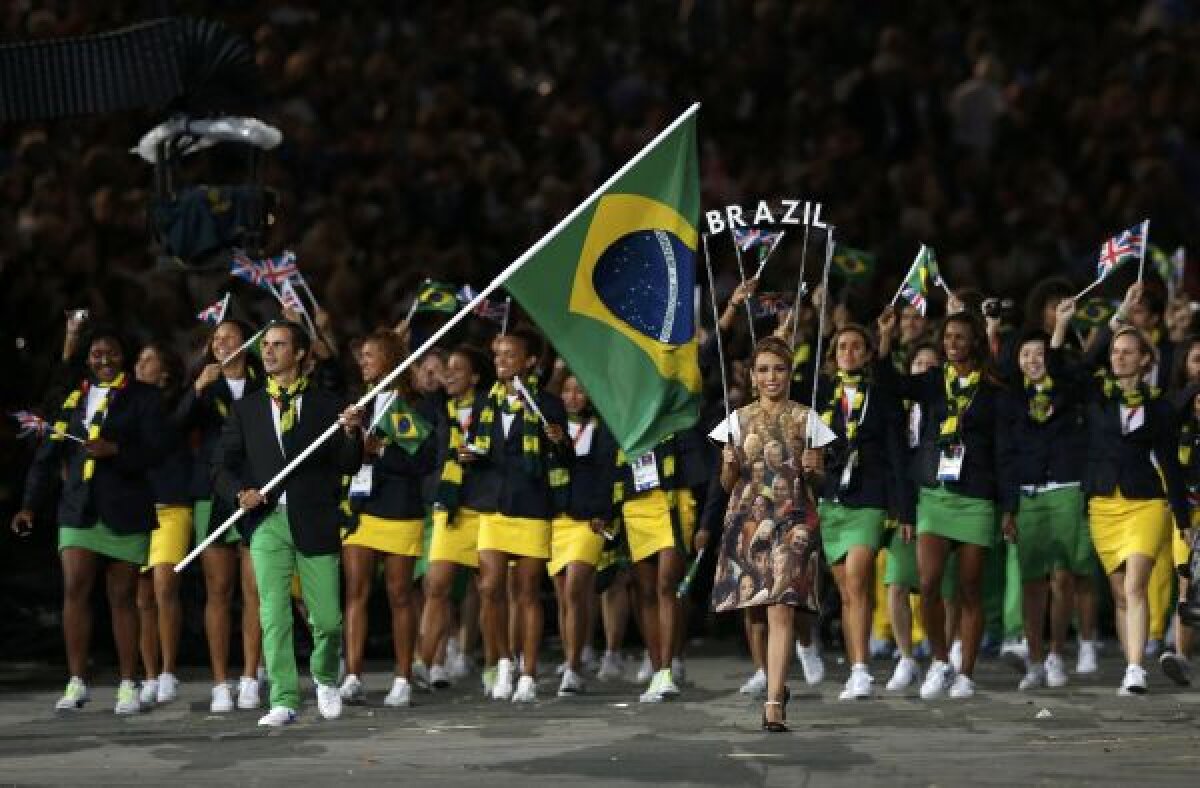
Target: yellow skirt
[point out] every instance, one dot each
(169, 542)
(516, 536)
(650, 527)
(456, 542)
(570, 541)
(394, 537)
(1122, 527)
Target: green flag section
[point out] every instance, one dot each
(437, 297)
(853, 265)
(612, 291)
(1093, 312)
(1169, 269)
(404, 427)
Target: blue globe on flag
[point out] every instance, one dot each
(646, 279)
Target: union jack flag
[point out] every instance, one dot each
(245, 269)
(1121, 248)
(747, 238)
(290, 299)
(30, 424)
(496, 311)
(280, 269)
(214, 313)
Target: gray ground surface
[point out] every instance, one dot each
(708, 737)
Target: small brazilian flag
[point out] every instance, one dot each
(853, 265)
(1093, 312)
(404, 427)
(612, 291)
(437, 297)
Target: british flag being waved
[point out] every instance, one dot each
(280, 269)
(29, 423)
(246, 269)
(1121, 248)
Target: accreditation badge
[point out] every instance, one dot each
(645, 472)
(950, 463)
(362, 482)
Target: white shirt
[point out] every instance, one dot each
(237, 387)
(299, 401)
(95, 397)
(506, 418)
(581, 433)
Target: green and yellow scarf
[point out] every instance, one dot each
(77, 398)
(1130, 399)
(1039, 396)
(959, 396)
(285, 399)
(450, 483)
(846, 380)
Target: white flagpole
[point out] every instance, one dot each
(454, 320)
(737, 250)
(820, 327)
(1145, 243)
(800, 284)
(525, 395)
(244, 345)
(712, 294)
(1088, 289)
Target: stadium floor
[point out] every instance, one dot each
(1084, 734)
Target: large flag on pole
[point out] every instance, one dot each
(613, 293)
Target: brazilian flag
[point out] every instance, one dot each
(853, 265)
(612, 291)
(404, 427)
(437, 297)
(1093, 312)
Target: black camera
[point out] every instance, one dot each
(998, 307)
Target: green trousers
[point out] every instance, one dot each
(276, 562)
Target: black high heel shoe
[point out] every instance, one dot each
(781, 726)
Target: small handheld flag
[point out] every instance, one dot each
(290, 299)
(853, 265)
(1093, 312)
(916, 286)
(748, 238)
(29, 423)
(1122, 248)
(280, 269)
(244, 268)
(437, 297)
(496, 311)
(404, 427)
(685, 584)
(214, 313)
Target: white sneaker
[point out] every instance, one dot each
(571, 685)
(127, 698)
(1134, 682)
(329, 701)
(811, 664)
(1056, 671)
(667, 687)
(526, 691)
(937, 680)
(352, 690)
(168, 687)
(248, 696)
(458, 667)
(503, 688)
(439, 677)
(956, 655)
(420, 675)
(560, 668)
(222, 699)
(277, 717)
(400, 694)
(1176, 667)
(756, 685)
(907, 671)
(1086, 662)
(74, 696)
(646, 671)
(148, 695)
(611, 666)
(962, 687)
(1034, 678)
(678, 670)
(858, 686)
(652, 695)
(1015, 653)
(587, 659)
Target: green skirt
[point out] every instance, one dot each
(202, 521)
(102, 540)
(843, 527)
(958, 518)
